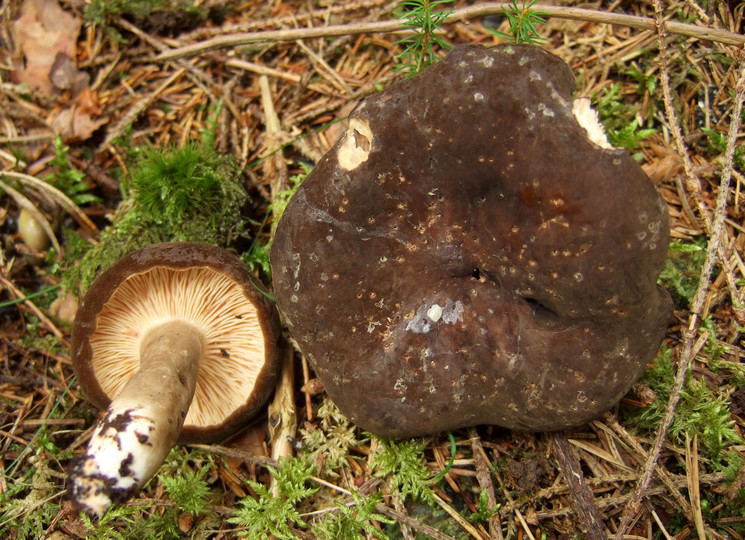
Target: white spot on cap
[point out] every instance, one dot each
(545, 110)
(478, 97)
(434, 312)
(487, 61)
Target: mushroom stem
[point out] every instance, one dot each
(143, 421)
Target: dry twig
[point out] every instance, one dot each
(466, 13)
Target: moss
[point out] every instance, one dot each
(187, 194)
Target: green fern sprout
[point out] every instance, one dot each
(424, 21)
(523, 21)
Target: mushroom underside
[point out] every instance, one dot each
(468, 254)
(178, 342)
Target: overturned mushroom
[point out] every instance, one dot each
(472, 252)
(178, 341)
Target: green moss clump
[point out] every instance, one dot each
(187, 194)
(682, 269)
(700, 411)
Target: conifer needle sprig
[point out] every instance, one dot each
(420, 48)
(523, 21)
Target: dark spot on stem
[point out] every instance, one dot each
(124, 467)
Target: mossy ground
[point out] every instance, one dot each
(255, 136)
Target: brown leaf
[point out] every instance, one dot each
(43, 31)
(75, 125)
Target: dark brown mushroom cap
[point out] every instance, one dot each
(466, 255)
(227, 361)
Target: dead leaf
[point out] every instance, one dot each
(74, 124)
(43, 31)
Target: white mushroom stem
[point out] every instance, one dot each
(143, 421)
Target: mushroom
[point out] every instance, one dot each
(179, 342)
(471, 252)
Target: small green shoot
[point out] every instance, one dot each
(276, 514)
(68, 180)
(420, 48)
(483, 513)
(449, 466)
(41, 293)
(523, 21)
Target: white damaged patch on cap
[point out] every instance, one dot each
(588, 119)
(356, 145)
(429, 314)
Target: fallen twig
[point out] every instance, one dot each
(466, 13)
(582, 498)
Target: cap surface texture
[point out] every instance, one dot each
(465, 254)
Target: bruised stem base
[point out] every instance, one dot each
(143, 421)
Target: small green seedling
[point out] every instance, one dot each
(67, 179)
(523, 21)
(420, 48)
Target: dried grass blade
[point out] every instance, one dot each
(694, 491)
(60, 198)
(22, 201)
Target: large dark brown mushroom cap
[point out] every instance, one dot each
(465, 254)
(257, 311)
